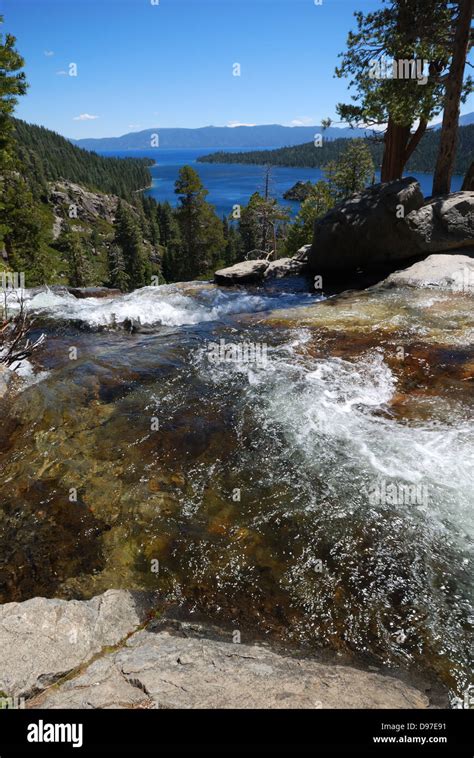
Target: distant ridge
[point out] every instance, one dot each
(270, 135)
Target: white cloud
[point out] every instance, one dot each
(237, 123)
(49, 53)
(85, 117)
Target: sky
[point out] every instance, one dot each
(172, 63)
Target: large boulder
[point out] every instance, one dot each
(444, 223)
(245, 272)
(366, 229)
(447, 272)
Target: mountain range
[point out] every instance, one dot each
(250, 137)
(270, 135)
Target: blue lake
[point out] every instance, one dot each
(232, 184)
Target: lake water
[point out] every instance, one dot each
(232, 184)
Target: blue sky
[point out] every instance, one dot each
(142, 65)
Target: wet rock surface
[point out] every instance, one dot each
(41, 641)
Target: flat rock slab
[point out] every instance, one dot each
(448, 272)
(41, 640)
(246, 272)
(285, 267)
(168, 670)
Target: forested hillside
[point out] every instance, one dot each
(47, 156)
(307, 155)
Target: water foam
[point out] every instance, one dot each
(166, 305)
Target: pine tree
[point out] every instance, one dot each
(258, 224)
(202, 237)
(352, 171)
(118, 277)
(319, 201)
(232, 246)
(80, 274)
(401, 31)
(129, 238)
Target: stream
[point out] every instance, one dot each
(296, 466)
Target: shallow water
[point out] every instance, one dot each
(320, 493)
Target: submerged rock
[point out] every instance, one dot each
(182, 667)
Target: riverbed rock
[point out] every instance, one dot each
(83, 292)
(366, 229)
(444, 223)
(183, 668)
(43, 639)
(245, 272)
(285, 267)
(447, 272)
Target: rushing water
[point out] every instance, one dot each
(254, 489)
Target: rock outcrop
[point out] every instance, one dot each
(254, 272)
(167, 664)
(89, 205)
(448, 272)
(42, 640)
(388, 223)
(444, 223)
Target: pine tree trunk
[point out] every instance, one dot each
(468, 183)
(396, 140)
(449, 129)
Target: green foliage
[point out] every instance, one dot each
(402, 30)
(259, 221)
(129, 238)
(46, 156)
(352, 171)
(201, 232)
(319, 201)
(309, 156)
(118, 276)
(80, 272)
(12, 84)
